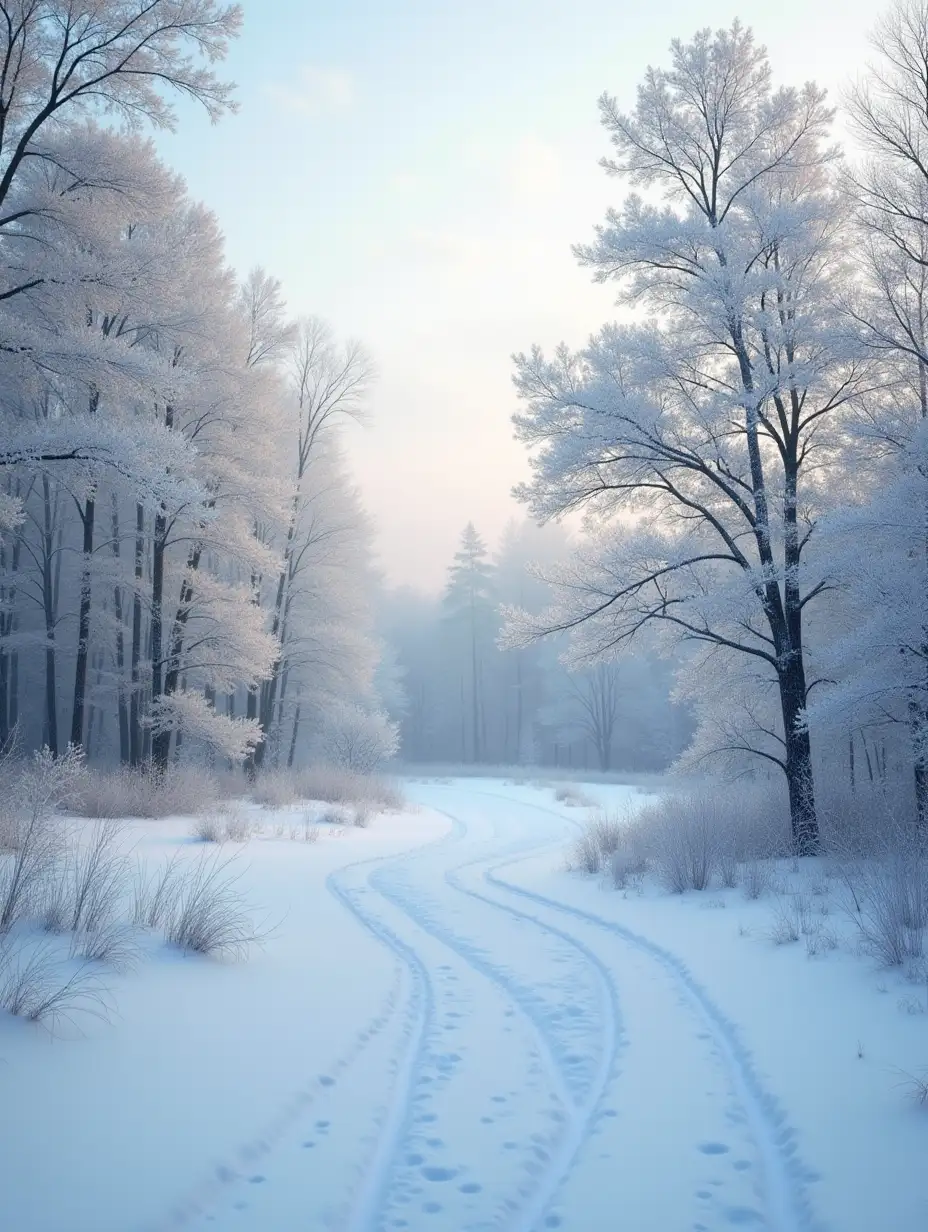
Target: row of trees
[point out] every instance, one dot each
(183, 559)
(464, 699)
(748, 440)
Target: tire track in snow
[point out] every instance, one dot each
(363, 1215)
(533, 1200)
(583, 1113)
(367, 1202)
(783, 1173)
(235, 1167)
(579, 1113)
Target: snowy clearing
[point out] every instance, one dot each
(447, 1031)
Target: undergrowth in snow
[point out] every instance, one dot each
(865, 897)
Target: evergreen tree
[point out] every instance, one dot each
(470, 608)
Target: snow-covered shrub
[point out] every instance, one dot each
(881, 865)
(755, 879)
(209, 915)
(600, 840)
(792, 919)
(358, 739)
(276, 789)
(729, 870)
(893, 915)
(685, 834)
(210, 828)
(155, 894)
(98, 872)
(238, 827)
(572, 796)
(606, 832)
(37, 985)
(181, 791)
(226, 825)
(34, 837)
(863, 820)
(585, 854)
(627, 865)
(112, 943)
(338, 786)
(916, 1086)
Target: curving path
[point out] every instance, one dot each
(538, 1067)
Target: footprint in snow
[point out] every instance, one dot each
(713, 1148)
(432, 1173)
(257, 1179)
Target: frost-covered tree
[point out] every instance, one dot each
(327, 383)
(358, 739)
(64, 64)
(471, 614)
(594, 694)
(878, 657)
(708, 419)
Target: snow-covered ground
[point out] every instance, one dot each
(446, 1031)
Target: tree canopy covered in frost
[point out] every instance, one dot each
(747, 441)
(183, 565)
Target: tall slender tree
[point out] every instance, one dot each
(704, 422)
(469, 606)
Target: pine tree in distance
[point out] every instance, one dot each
(469, 604)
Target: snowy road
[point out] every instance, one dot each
(533, 1066)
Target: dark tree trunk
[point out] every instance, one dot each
(135, 698)
(160, 739)
(251, 712)
(296, 727)
(88, 516)
(48, 603)
(121, 706)
(918, 727)
(799, 777)
(161, 745)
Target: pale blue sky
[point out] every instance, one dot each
(415, 171)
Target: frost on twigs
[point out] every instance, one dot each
(209, 914)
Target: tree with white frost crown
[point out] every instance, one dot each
(66, 62)
(880, 665)
(705, 421)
